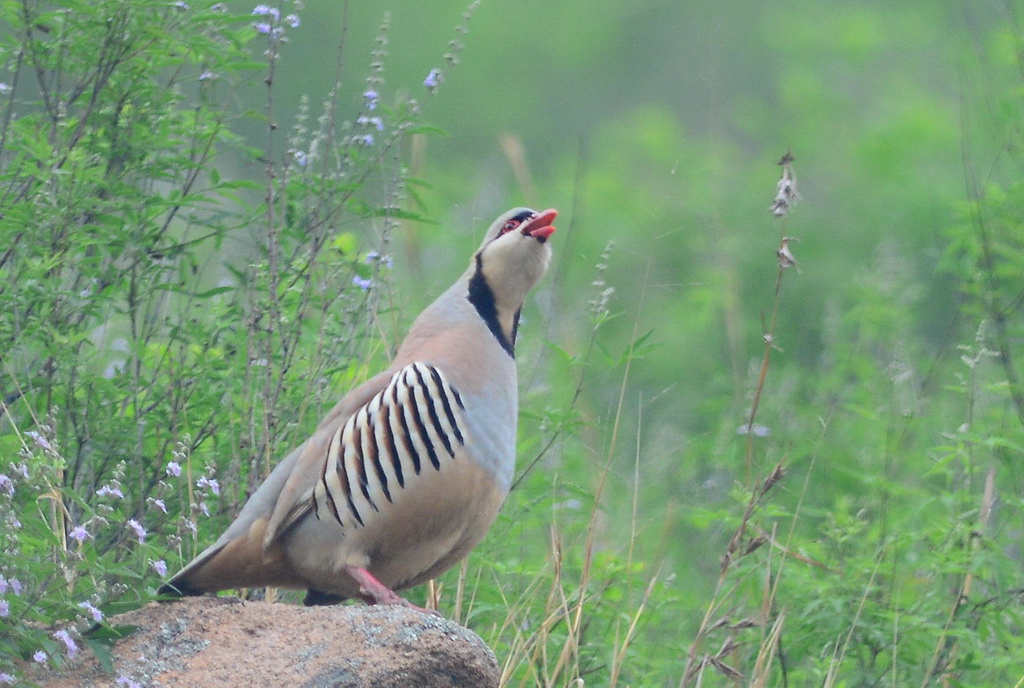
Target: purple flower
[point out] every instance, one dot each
(14, 583)
(160, 567)
(97, 615)
(755, 429)
(375, 121)
(207, 74)
(4, 88)
(374, 256)
(159, 504)
(111, 491)
(371, 99)
(210, 483)
(362, 283)
(266, 11)
(123, 680)
(262, 27)
(433, 79)
(292, 20)
(365, 139)
(79, 533)
(7, 678)
(181, 5)
(301, 158)
(39, 656)
(137, 528)
(5, 609)
(6, 484)
(40, 440)
(174, 468)
(68, 641)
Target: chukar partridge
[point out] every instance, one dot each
(406, 473)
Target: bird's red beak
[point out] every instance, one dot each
(540, 227)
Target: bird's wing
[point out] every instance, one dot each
(352, 469)
(246, 538)
(293, 498)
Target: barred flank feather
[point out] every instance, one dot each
(381, 448)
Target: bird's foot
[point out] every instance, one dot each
(374, 592)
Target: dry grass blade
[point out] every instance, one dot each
(619, 659)
(765, 653)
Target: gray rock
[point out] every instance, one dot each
(203, 642)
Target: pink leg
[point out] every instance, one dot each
(372, 590)
(375, 592)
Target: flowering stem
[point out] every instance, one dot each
(786, 195)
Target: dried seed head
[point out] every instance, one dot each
(754, 544)
(777, 474)
(786, 257)
(786, 194)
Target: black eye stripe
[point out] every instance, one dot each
(524, 216)
(517, 220)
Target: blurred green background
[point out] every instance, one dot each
(677, 113)
(891, 542)
(657, 125)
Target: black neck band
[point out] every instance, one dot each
(482, 297)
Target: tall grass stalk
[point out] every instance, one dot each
(740, 544)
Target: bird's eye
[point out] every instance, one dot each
(509, 226)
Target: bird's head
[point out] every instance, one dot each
(515, 253)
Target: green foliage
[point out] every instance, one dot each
(165, 333)
(734, 469)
